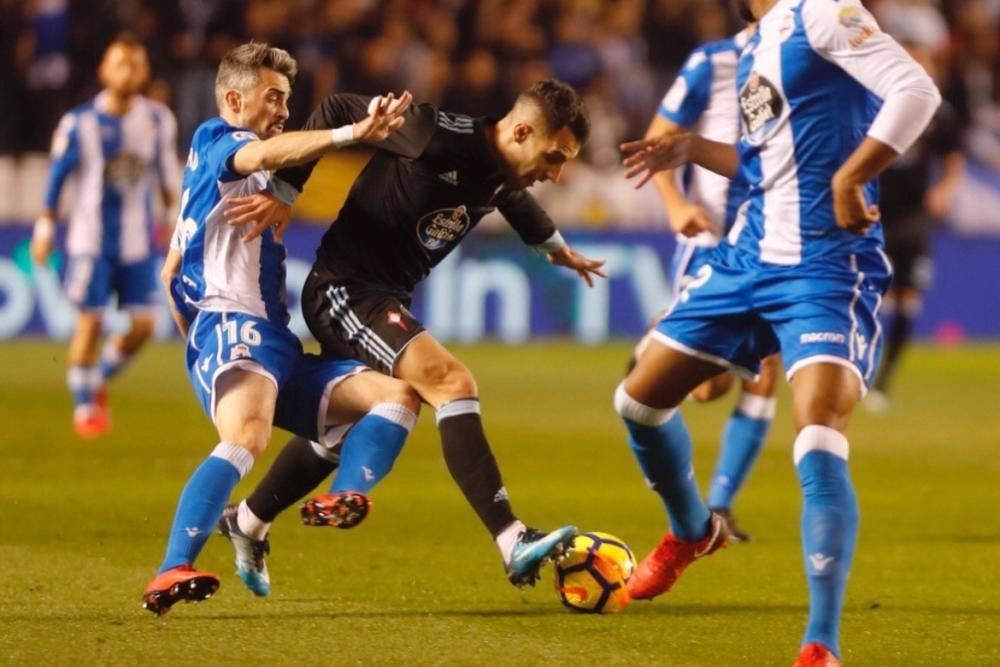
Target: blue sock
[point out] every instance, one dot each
(82, 382)
(202, 501)
(829, 528)
(372, 446)
(663, 449)
(741, 443)
(113, 361)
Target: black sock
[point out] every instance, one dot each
(296, 471)
(471, 463)
(899, 335)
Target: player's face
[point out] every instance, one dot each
(541, 156)
(265, 106)
(124, 69)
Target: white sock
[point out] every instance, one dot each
(508, 538)
(250, 524)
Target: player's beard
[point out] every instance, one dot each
(742, 8)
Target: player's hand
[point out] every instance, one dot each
(689, 220)
(646, 157)
(385, 116)
(262, 210)
(851, 210)
(584, 267)
(43, 239)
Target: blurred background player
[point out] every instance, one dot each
(805, 275)
(701, 207)
(118, 145)
(910, 205)
(227, 291)
(416, 199)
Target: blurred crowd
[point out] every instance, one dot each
(466, 55)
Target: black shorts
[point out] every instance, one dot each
(356, 321)
(911, 261)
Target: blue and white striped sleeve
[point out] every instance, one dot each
(846, 34)
(689, 95)
(65, 157)
(223, 150)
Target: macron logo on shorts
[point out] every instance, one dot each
(822, 337)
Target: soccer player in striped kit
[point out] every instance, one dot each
(827, 101)
(701, 208)
(120, 146)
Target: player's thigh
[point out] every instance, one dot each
(244, 407)
(434, 372)
(824, 394)
(219, 343)
(359, 393)
(714, 388)
(663, 376)
(357, 322)
(89, 281)
(766, 383)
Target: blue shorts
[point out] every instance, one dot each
(684, 265)
(218, 342)
(735, 312)
(90, 282)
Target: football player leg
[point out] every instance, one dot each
(823, 396)
(244, 409)
(447, 385)
(137, 294)
(742, 440)
(647, 403)
(88, 287)
(367, 418)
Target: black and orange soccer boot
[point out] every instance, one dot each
(659, 570)
(176, 584)
(340, 510)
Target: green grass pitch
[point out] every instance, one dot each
(82, 528)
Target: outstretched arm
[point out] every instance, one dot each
(684, 217)
(647, 157)
(171, 268)
(295, 148)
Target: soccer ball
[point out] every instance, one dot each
(591, 578)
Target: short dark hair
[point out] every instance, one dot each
(126, 38)
(238, 68)
(560, 105)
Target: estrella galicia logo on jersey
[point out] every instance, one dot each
(443, 226)
(761, 106)
(858, 23)
(125, 170)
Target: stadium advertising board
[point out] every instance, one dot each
(494, 287)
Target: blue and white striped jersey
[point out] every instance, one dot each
(703, 100)
(815, 80)
(117, 161)
(219, 271)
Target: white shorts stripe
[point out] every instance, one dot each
(351, 324)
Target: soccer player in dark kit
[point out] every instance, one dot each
(424, 189)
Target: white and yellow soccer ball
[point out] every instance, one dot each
(592, 577)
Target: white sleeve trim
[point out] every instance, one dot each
(551, 244)
(847, 35)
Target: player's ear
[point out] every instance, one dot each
(521, 132)
(233, 100)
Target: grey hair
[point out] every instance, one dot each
(239, 67)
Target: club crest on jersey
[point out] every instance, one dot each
(396, 318)
(761, 106)
(239, 351)
(858, 23)
(443, 226)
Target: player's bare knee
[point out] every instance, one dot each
(403, 394)
(821, 408)
(142, 329)
(450, 379)
(254, 434)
